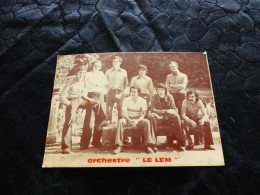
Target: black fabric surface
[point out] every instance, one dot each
(34, 32)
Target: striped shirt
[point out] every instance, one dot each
(134, 109)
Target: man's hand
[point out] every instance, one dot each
(171, 111)
(201, 122)
(67, 103)
(133, 123)
(192, 123)
(163, 111)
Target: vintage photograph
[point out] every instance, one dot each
(149, 109)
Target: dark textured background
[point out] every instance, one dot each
(34, 32)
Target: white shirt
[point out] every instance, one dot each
(134, 109)
(117, 79)
(96, 82)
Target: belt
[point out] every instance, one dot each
(94, 94)
(116, 89)
(72, 98)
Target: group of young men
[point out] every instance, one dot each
(142, 109)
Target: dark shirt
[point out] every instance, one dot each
(162, 103)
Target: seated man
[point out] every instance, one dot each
(194, 115)
(165, 112)
(134, 109)
(143, 82)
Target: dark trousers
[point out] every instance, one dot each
(169, 119)
(110, 101)
(178, 99)
(204, 130)
(97, 108)
(70, 114)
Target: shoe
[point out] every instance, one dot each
(83, 147)
(180, 149)
(168, 145)
(66, 151)
(126, 141)
(148, 150)
(117, 150)
(97, 145)
(189, 147)
(209, 148)
(155, 149)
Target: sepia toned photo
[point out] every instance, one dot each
(133, 110)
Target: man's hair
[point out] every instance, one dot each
(193, 92)
(142, 67)
(117, 57)
(97, 61)
(177, 65)
(77, 68)
(135, 87)
(161, 85)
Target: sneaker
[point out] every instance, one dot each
(155, 149)
(209, 148)
(117, 150)
(148, 150)
(189, 147)
(168, 145)
(66, 151)
(180, 149)
(126, 141)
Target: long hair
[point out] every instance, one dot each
(195, 94)
(162, 85)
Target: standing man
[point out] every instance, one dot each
(165, 112)
(71, 96)
(96, 83)
(176, 83)
(117, 82)
(143, 82)
(134, 110)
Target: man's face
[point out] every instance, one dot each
(80, 74)
(142, 72)
(97, 66)
(173, 66)
(192, 98)
(116, 63)
(161, 92)
(134, 93)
